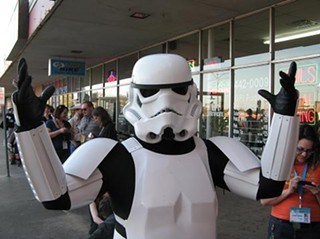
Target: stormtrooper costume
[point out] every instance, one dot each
(162, 181)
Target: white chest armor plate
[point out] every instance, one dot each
(174, 195)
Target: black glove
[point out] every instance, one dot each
(285, 101)
(30, 107)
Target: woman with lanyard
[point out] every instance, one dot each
(60, 132)
(296, 212)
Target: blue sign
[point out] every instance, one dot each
(65, 67)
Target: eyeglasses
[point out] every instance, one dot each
(84, 109)
(301, 150)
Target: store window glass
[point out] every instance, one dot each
(196, 80)
(126, 65)
(84, 81)
(308, 85)
(69, 100)
(109, 101)
(153, 50)
(251, 110)
(110, 73)
(124, 127)
(54, 100)
(297, 31)
(215, 102)
(249, 33)
(96, 95)
(73, 84)
(85, 96)
(96, 77)
(215, 47)
(76, 98)
(188, 47)
(60, 86)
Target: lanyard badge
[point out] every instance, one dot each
(300, 214)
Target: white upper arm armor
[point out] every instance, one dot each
(241, 173)
(41, 164)
(279, 153)
(49, 179)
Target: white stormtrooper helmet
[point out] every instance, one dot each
(162, 99)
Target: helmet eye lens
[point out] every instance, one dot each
(182, 90)
(148, 92)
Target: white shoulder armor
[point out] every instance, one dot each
(83, 177)
(241, 173)
(86, 158)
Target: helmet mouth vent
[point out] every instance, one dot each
(168, 134)
(183, 133)
(152, 135)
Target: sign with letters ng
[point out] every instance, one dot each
(66, 67)
(307, 116)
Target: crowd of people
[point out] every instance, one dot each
(85, 124)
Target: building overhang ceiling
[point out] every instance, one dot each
(98, 31)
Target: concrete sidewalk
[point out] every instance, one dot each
(23, 217)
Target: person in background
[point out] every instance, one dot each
(75, 122)
(60, 132)
(102, 218)
(10, 122)
(107, 130)
(10, 125)
(296, 212)
(103, 119)
(47, 113)
(87, 124)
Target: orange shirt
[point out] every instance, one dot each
(282, 209)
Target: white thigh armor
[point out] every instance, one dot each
(174, 195)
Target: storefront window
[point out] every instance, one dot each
(249, 33)
(85, 96)
(110, 73)
(188, 47)
(126, 65)
(308, 85)
(109, 101)
(84, 81)
(251, 110)
(296, 31)
(96, 95)
(73, 84)
(124, 127)
(215, 47)
(96, 77)
(153, 50)
(216, 89)
(76, 98)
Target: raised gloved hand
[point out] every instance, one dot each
(28, 107)
(285, 101)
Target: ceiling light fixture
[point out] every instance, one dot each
(294, 37)
(140, 15)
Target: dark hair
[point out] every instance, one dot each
(89, 103)
(59, 109)
(104, 115)
(308, 132)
